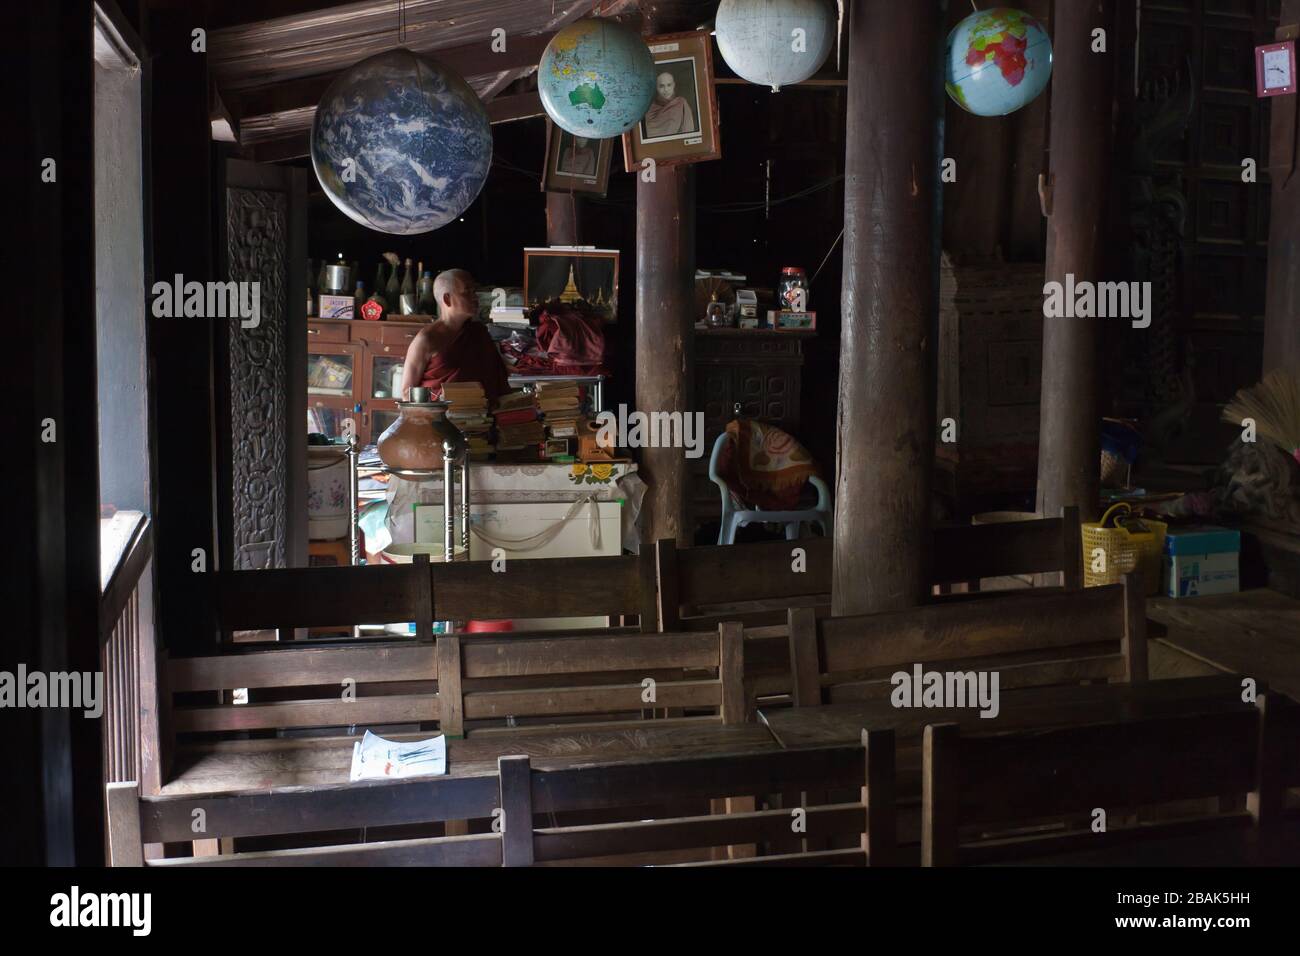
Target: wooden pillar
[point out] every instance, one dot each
(1081, 133)
(665, 271)
(887, 373)
(562, 219)
(1282, 305)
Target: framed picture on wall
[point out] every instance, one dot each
(575, 163)
(573, 274)
(681, 125)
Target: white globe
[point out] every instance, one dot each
(775, 42)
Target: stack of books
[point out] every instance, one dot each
(468, 412)
(559, 404)
(514, 316)
(518, 429)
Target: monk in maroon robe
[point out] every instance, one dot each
(669, 114)
(455, 347)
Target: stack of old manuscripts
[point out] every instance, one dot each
(519, 432)
(559, 404)
(468, 411)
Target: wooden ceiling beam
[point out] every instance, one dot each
(468, 60)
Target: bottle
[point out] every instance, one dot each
(424, 295)
(393, 293)
(358, 299)
(311, 292)
(408, 290)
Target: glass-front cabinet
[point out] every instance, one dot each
(354, 369)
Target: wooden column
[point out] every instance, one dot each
(1282, 306)
(1083, 84)
(665, 271)
(887, 374)
(561, 219)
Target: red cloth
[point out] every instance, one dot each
(575, 342)
(471, 356)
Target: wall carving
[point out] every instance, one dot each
(257, 231)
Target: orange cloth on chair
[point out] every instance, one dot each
(764, 467)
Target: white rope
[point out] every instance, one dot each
(542, 538)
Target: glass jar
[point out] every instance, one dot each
(792, 291)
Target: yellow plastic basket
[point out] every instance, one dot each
(1122, 551)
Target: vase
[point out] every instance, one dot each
(414, 443)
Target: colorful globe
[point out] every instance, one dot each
(997, 61)
(758, 38)
(400, 143)
(596, 78)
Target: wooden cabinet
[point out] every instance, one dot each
(370, 355)
(758, 369)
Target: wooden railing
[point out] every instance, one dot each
(128, 657)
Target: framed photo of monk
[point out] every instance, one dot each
(681, 125)
(575, 163)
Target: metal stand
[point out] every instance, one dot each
(354, 491)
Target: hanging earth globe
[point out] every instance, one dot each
(997, 61)
(400, 143)
(596, 78)
(775, 42)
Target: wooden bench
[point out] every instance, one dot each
(538, 799)
(984, 794)
(1031, 638)
(757, 583)
(480, 684)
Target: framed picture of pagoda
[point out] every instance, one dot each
(579, 275)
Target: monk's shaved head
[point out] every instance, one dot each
(454, 292)
(447, 281)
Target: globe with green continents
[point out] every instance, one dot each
(997, 61)
(400, 143)
(596, 78)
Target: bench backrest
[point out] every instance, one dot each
(698, 587)
(623, 585)
(425, 592)
(998, 782)
(456, 679)
(303, 686)
(288, 598)
(134, 821)
(867, 824)
(490, 678)
(1032, 638)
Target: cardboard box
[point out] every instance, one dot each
(1201, 560)
(792, 320)
(336, 306)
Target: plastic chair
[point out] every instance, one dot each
(732, 518)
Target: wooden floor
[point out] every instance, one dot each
(1254, 632)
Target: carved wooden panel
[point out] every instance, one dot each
(257, 237)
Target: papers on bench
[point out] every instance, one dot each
(374, 758)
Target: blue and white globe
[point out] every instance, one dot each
(596, 78)
(400, 143)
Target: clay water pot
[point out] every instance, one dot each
(414, 442)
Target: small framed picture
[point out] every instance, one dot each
(1275, 69)
(681, 125)
(581, 275)
(575, 163)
